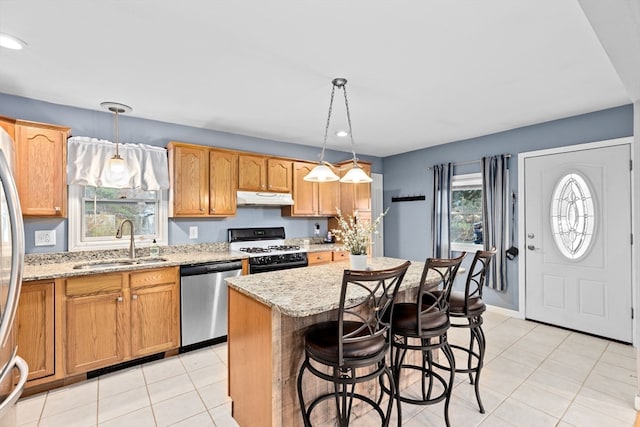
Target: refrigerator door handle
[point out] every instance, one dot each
(17, 391)
(17, 250)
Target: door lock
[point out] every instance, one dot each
(531, 247)
(531, 235)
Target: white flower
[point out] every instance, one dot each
(355, 233)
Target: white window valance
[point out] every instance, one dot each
(147, 166)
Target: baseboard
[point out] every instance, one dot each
(505, 311)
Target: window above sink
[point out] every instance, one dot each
(95, 213)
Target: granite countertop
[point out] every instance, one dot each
(307, 291)
(56, 265)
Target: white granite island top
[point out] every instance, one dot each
(307, 291)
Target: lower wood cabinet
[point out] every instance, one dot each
(324, 257)
(114, 317)
(35, 328)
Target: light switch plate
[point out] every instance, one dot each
(193, 232)
(45, 237)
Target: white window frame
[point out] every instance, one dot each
(466, 180)
(75, 225)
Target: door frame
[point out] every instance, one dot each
(521, 216)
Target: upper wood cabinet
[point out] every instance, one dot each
(261, 173)
(9, 125)
(203, 181)
(312, 198)
(223, 182)
(355, 197)
(41, 167)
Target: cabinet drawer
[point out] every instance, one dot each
(153, 277)
(94, 284)
(340, 255)
(319, 257)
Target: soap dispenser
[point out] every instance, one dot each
(154, 250)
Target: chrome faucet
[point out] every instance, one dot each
(132, 247)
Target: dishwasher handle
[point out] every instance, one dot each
(208, 268)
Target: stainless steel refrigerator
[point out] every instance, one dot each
(13, 369)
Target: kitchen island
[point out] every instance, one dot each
(268, 316)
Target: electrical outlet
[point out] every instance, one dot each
(193, 232)
(45, 237)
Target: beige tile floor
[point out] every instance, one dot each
(535, 375)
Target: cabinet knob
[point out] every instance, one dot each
(134, 297)
(57, 208)
(119, 299)
(201, 209)
(213, 210)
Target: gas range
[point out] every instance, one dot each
(266, 249)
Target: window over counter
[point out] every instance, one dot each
(96, 212)
(466, 212)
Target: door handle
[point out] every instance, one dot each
(531, 247)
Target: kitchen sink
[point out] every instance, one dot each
(117, 263)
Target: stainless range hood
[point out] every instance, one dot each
(263, 199)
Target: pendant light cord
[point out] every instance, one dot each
(326, 129)
(346, 103)
(117, 134)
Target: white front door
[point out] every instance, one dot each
(578, 240)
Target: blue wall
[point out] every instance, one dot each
(99, 124)
(407, 232)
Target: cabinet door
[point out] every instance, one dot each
(190, 178)
(363, 192)
(35, 320)
(9, 125)
(328, 198)
(155, 319)
(223, 183)
(252, 173)
(95, 332)
(316, 258)
(41, 170)
(279, 173)
(305, 193)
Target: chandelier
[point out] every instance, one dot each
(322, 172)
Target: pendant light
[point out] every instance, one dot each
(116, 164)
(355, 175)
(322, 172)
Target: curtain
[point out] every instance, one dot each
(440, 221)
(494, 212)
(147, 167)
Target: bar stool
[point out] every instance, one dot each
(352, 349)
(422, 326)
(468, 305)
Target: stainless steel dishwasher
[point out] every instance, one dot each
(203, 301)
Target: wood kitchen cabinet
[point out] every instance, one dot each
(189, 175)
(354, 197)
(312, 198)
(35, 328)
(114, 317)
(96, 322)
(261, 173)
(9, 125)
(223, 182)
(203, 181)
(325, 257)
(41, 167)
(155, 311)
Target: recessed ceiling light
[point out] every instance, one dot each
(342, 133)
(11, 42)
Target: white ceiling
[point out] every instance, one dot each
(419, 73)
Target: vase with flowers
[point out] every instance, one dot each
(355, 235)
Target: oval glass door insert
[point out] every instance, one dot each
(572, 215)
